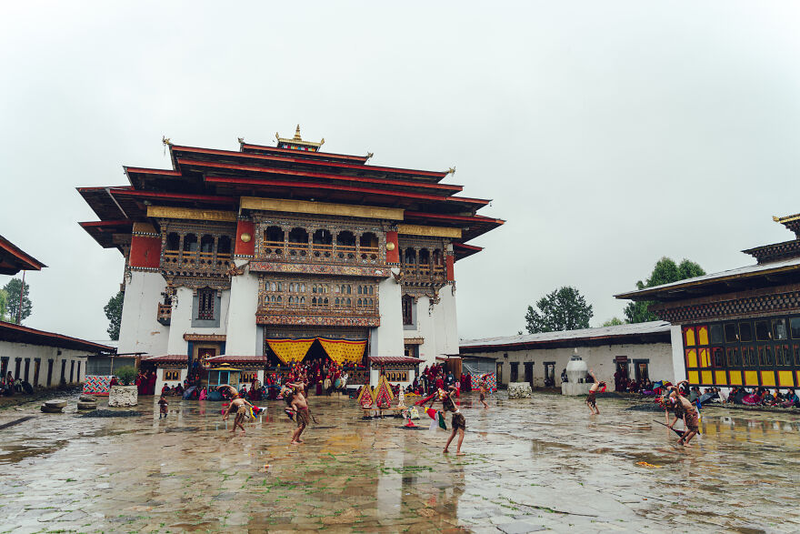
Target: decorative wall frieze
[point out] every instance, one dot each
(745, 304)
(330, 270)
(315, 320)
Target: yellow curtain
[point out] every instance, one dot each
(290, 350)
(344, 350)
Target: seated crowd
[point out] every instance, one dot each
(763, 397)
(9, 386)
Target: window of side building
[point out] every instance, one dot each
(408, 310)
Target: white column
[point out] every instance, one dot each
(242, 333)
(678, 365)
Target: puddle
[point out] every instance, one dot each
(524, 462)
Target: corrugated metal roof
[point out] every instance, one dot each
(653, 327)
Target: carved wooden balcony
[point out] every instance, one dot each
(196, 263)
(164, 314)
(320, 253)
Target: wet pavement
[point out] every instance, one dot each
(533, 464)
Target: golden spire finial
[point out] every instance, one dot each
(297, 134)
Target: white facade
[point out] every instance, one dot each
(139, 329)
(387, 339)
(436, 325)
(243, 332)
(602, 360)
(50, 361)
(601, 348)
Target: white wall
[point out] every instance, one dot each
(387, 339)
(437, 326)
(140, 330)
(678, 367)
(27, 351)
(181, 322)
(600, 359)
(242, 334)
(446, 323)
(172, 383)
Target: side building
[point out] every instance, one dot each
(272, 255)
(636, 351)
(739, 327)
(43, 359)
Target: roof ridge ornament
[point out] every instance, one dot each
(166, 142)
(451, 170)
(297, 142)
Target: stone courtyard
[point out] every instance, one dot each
(532, 464)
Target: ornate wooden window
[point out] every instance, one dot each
(205, 303)
(224, 247)
(190, 243)
(408, 310)
(172, 374)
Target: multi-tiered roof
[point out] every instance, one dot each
(295, 169)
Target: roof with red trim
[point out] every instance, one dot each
(226, 358)
(167, 358)
(13, 259)
(14, 333)
(394, 360)
(209, 178)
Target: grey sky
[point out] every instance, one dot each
(608, 133)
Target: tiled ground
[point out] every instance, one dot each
(530, 465)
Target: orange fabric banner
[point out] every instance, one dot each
(290, 350)
(344, 350)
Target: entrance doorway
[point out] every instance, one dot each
(499, 372)
(549, 374)
(529, 373)
(641, 370)
(621, 373)
(514, 372)
(201, 365)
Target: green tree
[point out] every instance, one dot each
(563, 309)
(114, 314)
(12, 289)
(665, 271)
(614, 321)
(3, 304)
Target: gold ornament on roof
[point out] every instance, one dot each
(451, 170)
(297, 141)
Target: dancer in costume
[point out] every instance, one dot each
(458, 422)
(302, 415)
(242, 408)
(591, 400)
(686, 411)
(482, 388)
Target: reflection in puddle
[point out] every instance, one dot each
(536, 464)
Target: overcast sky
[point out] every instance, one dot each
(608, 134)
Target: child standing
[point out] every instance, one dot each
(162, 405)
(483, 388)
